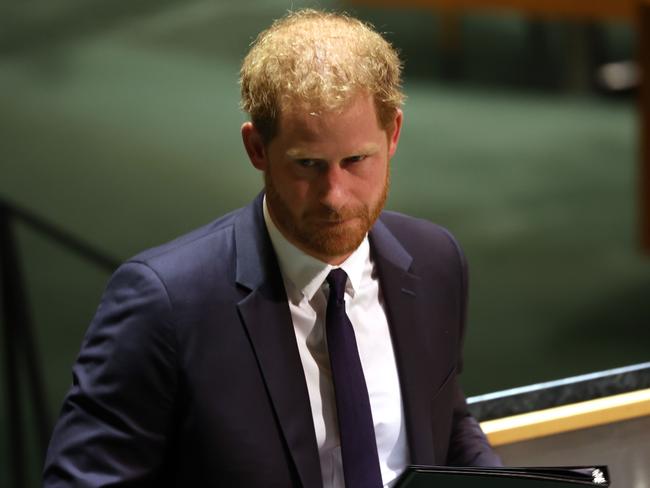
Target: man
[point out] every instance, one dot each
(307, 339)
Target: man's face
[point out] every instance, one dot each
(326, 176)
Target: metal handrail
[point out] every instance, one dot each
(21, 355)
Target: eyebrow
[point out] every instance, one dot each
(299, 153)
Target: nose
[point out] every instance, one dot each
(333, 181)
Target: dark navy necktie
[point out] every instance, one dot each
(356, 429)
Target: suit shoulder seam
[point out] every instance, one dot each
(163, 285)
(170, 247)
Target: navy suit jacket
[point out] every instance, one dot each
(189, 374)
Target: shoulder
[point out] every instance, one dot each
(215, 236)
(188, 269)
(421, 238)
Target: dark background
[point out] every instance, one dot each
(119, 123)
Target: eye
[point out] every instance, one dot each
(355, 159)
(307, 163)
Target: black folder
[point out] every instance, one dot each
(538, 477)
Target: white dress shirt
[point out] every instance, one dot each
(304, 281)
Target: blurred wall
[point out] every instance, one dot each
(120, 124)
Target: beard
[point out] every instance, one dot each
(325, 231)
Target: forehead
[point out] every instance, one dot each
(309, 122)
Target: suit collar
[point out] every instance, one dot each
(386, 247)
(256, 261)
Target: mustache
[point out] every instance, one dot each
(340, 214)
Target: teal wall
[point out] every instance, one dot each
(122, 127)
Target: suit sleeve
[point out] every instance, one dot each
(468, 445)
(115, 422)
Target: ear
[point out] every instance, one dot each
(254, 146)
(394, 131)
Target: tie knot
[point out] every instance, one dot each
(337, 280)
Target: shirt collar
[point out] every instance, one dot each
(305, 273)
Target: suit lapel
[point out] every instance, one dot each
(404, 299)
(267, 319)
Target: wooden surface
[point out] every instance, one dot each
(622, 446)
(583, 9)
(567, 418)
(644, 124)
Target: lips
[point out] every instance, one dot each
(334, 221)
(336, 217)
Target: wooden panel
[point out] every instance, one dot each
(582, 9)
(567, 418)
(622, 446)
(644, 124)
